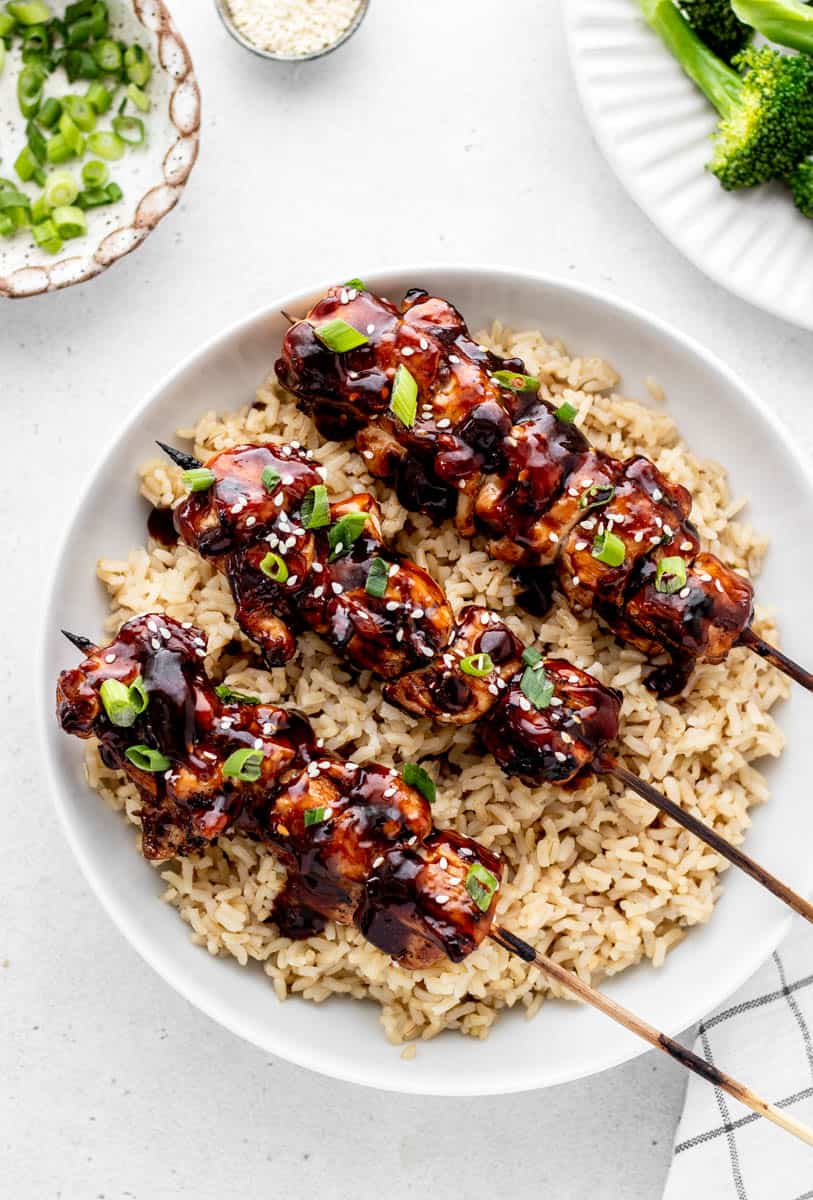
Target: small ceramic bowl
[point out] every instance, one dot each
(151, 176)
(224, 12)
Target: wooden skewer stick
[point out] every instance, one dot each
(675, 1050)
(776, 658)
(606, 765)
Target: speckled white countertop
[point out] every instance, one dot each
(443, 131)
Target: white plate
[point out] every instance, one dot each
(344, 1038)
(654, 127)
(151, 176)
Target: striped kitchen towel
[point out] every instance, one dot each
(763, 1036)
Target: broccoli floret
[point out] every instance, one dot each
(716, 23)
(801, 185)
(765, 107)
(786, 22)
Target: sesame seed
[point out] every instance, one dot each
(706, 578)
(166, 635)
(417, 613)
(659, 522)
(553, 537)
(411, 841)
(378, 861)
(407, 352)
(293, 580)
(444, 423)
(581, 545)
(443, 863)
(155, 643)
(109, 658)
(368, 454)
(566, 738)
(462, 485)
(320, 743)
(371, 328)
(448, 661)
(485, 618)
(586, 483)
(639, 537)
(273, 540)
(653, 541)
(343, 296)
(391, 605)
(318, 592)
(328, 813)
(279, 499)
(657, 494)
(559, 756)
(454, 359)
(686, 546)
(390, 791)
(200, 653)
(337, 589)
(186, 625)
(258, 743)
(684, 592)
(571, 491)
(268, 729)
(576, 581)
(524, 704)
(464, 850)
(667, 529)
(718, 585)
(338, 548)
(393, 570)
(296, 445)
(152, 625)
(250, 521)
(399, 635)
(492, 687)
(441, 898)
(226, 722)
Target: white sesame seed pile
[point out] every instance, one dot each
(293, 28)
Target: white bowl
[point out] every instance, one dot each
(721, 418)
(152, 176)
(654, 127)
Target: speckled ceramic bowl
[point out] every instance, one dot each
(151, 176)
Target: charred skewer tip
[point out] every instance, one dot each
(776, 658)
(291, 320)
(81, 643)
(186, 462)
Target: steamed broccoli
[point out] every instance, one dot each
(765, 107)
(786, 22)
(716, 23)
(801, 185)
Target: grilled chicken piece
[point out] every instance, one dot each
(445, 691)
(555, 742)
(430, 901)
(330, 825)
(704, 618)
(321, 584)
(186, 800)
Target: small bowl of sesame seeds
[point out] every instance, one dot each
(291, 30)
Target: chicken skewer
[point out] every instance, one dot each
(357, 841)
(543, 721)
(460, 432)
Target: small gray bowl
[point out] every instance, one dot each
(224, 13)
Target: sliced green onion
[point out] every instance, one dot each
(536, 686)
(46, 236)
(129, 129)
(339, 337)
(80, 9)
(345, 533)
(81, 111)
(270, 478)
(35, 141)
(98, 95)
(7, 25)
(50, 112)
(11, 198)
(531, 656)
(477, 665)
(107, 56)
(314, 816)
(30, 83)
(358, 284)
(198, 479)
(72, 133)
(114, 192)
(516, 382)
(70, 221)
(93, 24)
(671, 575)
(80, 64)
(58, 149)
(40, 210)
(92, 198)
(245, 765)
(481, 885)
(115, 697)
(139, 698)
(609, 549)
(61, 188)
(140, 99)
(597, 495)
(35, 12)
(95, 174)
(315, 511)
(274, 567)
(230, 696)
(106, 145)
(137, 65)
(566, 412)
(8, 225)
(147, 759)
(25, 164)
(376, 582)
(421, 780)
(404, 397)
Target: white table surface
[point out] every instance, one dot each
(444, 131)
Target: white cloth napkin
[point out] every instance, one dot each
(763, 1036)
